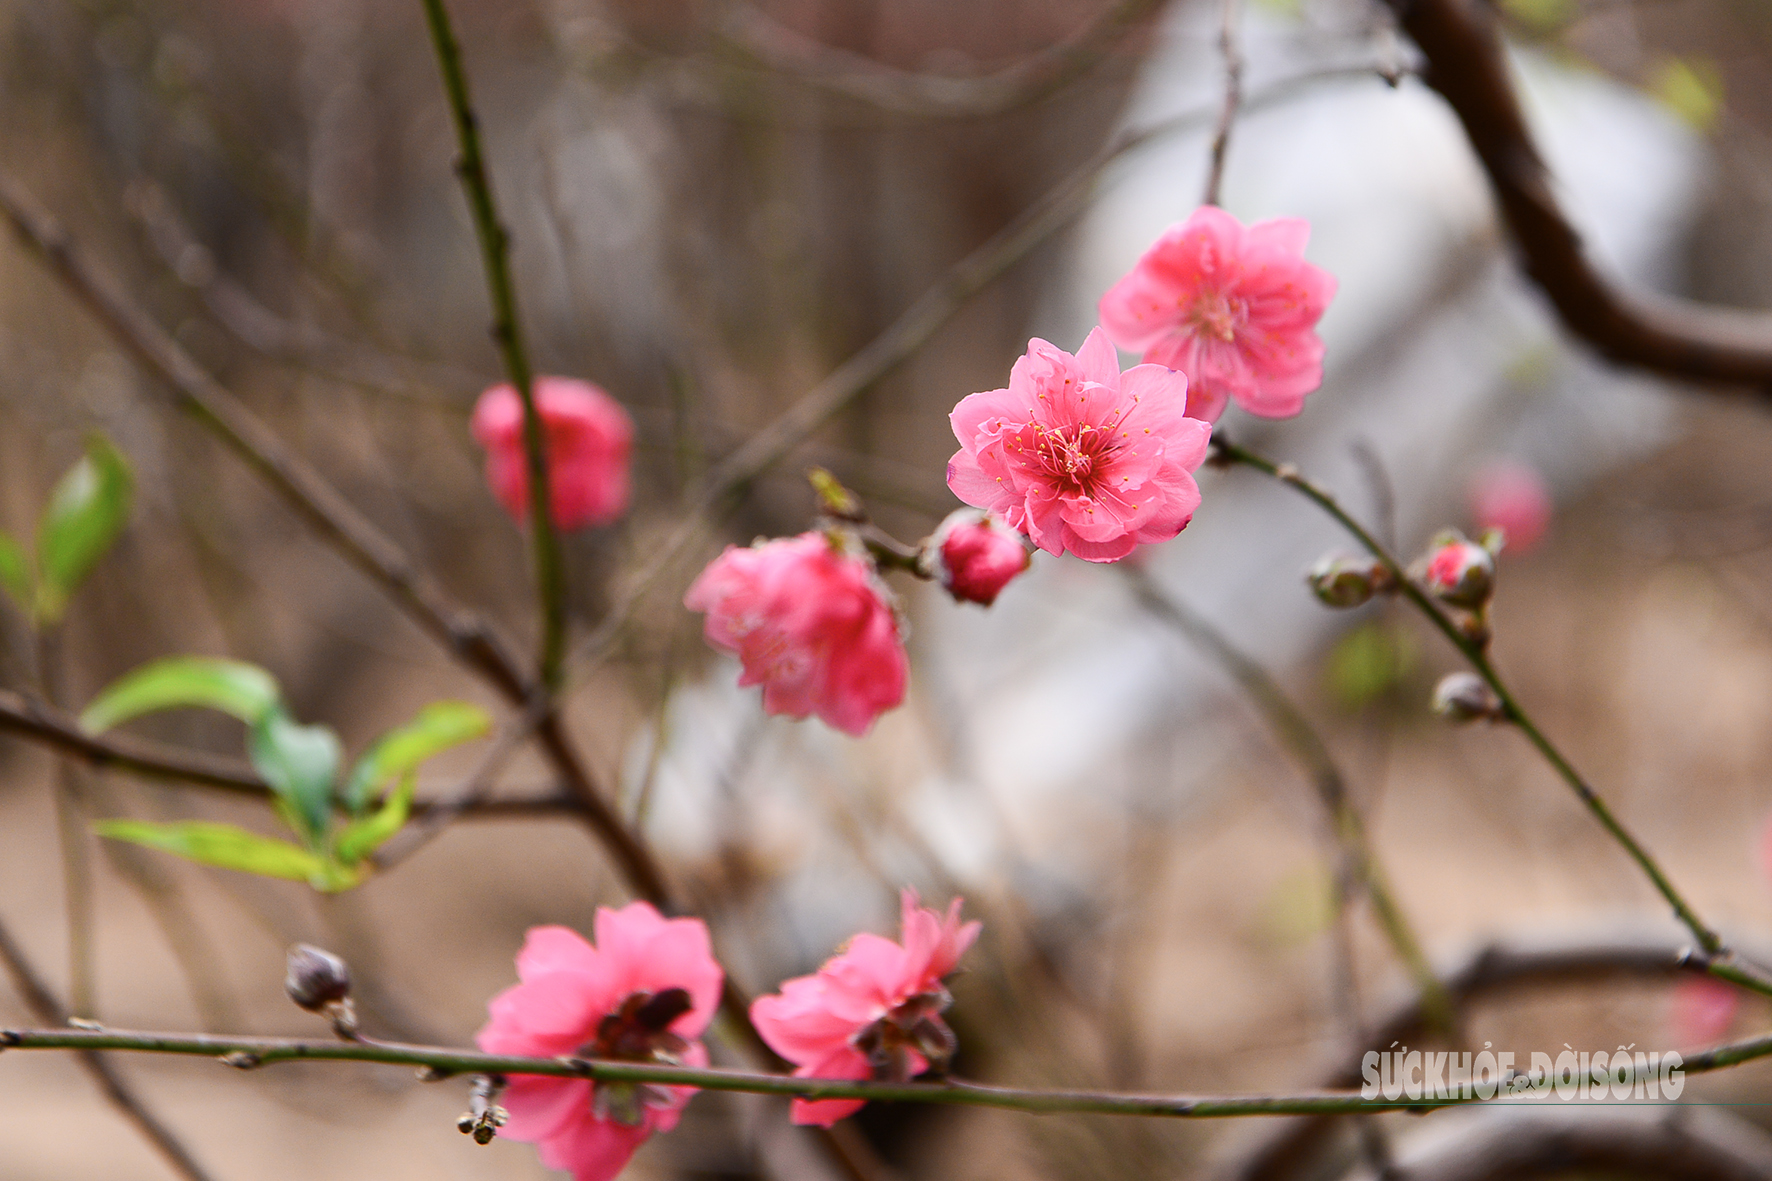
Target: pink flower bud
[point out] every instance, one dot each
(1460, 572)
(811, 623)
(1511, 497)
(974, 555)
(873, 1011)
(1234, 307)
(643, 993)
(589, 436)
(1343, 581)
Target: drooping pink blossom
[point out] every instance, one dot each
(589, 437)
(643, 993)
(811, 623)
(1511, 497)
(974, 555)
(1079, 456)
(1701, 1010)
(872, 1011)
(1234, 307)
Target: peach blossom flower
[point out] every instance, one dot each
(642, 994)
(974, 555)
(1701, 1009)
(1079, 456)
(1233, 307)
(589, 436)
(872, 1011)
(1511, 497)
(812, 624)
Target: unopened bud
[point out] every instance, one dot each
(974, 555)
(1341, 580)
(1460, 572)
(1465, 697)
(316, 978)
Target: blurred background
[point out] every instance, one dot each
(713, 206)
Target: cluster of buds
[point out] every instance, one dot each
(1344, 580)
(484, 1116)
(320, 982)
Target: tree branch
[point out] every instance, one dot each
(1467, 65)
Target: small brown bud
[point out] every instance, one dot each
(316, 978)
(1465, 697)
(1341, 580)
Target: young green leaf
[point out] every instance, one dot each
(221, 845)
(301, 764)
(234, 687)
(438, 726)
(15, 575)
(85, 513)
(365, 835)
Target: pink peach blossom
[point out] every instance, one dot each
(872, 1011)
(1079, 456)
(1460, 572)
(1511, 497)
(974, 555)
(643, 993)
(1701, 1010)
(811, 623)
(589, 436)
(1233, 307)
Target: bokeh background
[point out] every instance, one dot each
(713, 205)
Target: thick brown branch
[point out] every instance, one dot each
(1466, 64)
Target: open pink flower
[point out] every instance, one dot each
(873, 1011)
(1079, 456)
(975, 555)
(642, 994)
(1233, 307)
(589, 436)
(812, 624)
(1511, 497)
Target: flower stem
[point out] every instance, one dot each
(1719, 960)
(507, 333)
(441, 1062)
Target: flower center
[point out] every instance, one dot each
(1069, 453)
(913, 1025)
(1217, 315)
(638, 1031)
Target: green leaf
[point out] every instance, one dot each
(86, 512)
(301, 764)
(234, 687)
(221, 845)
(364, 836)
(438, 726)
(15, 575)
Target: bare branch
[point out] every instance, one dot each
(1675, 337)
(1233, 98)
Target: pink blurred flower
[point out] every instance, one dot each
(812, 624)
(1233, 307)
(589, 436)
(642, 994)
(872, 1011)
(975, 554)
(1701, 1010)
(1511, 497)
(1079, 456)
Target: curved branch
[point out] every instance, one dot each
(1466, 64)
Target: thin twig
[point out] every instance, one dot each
(473, 790)
(1467, 65)
(720, 489)
(120, 1094)
(1233, 98)
(1719, 960)
(507, 332)
(856, 76)
(1306, 747)
(252, 1052)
